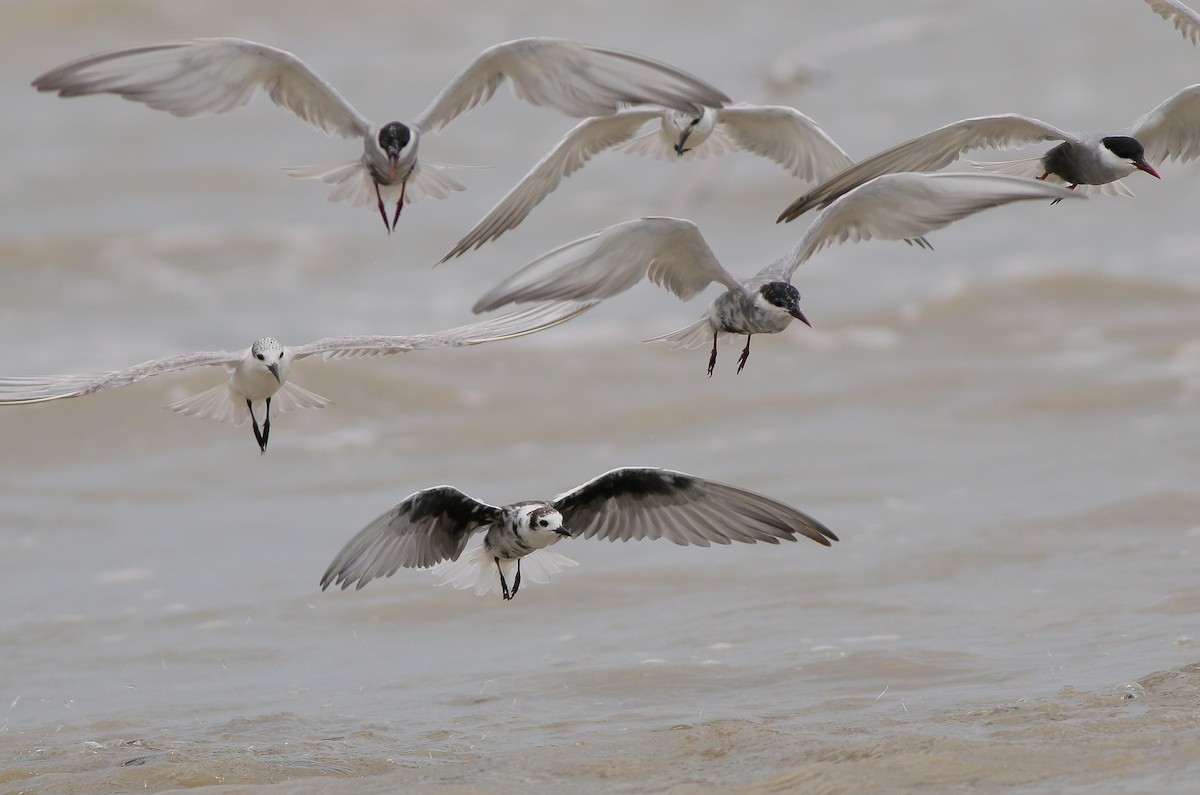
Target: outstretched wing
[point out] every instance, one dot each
(37, 389)
(635, 503)
(1172, 130)
(427, 527)
(786, 136)
(201, 76)
(515, 324)
(588, 138)
(929, 152)
(671, 252)
(1185, 20)
(576, 79)
(907, 207)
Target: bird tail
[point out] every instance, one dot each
(654, 144)
(351, 180)
(693, 336)
(1028, 167)
(1032, 168)
(353, 183)
(651, 144)
(217, 404)
(222, 405)
(475, 569)
(430, 181)
(291, 397)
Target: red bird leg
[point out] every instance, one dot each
(712, 360)
(745, 354)
(399, 204)
(382, 211)
(1072, 186)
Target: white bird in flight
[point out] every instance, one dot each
(673, 254)
(258, 376)
(432, 528)
(1185, 20)
(782, 134)
(203, 76)
(1169, 132)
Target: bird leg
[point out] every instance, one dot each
(266, 426)
(504, 583)
(745, 354)
(382, 210)
(1072, 186)
(399, 204)
(258, 435)
(712, 360)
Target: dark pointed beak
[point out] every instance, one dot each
(679, 150)
(562, 531)
(796, 313)
(274, 368)
(393, 155)
(1142, 165)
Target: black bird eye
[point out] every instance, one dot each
(260, 357)
(544, 523)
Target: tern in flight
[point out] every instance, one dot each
(1097, 161)
(673, 254)
(203, 76)
(258, 376)
(778, 133)
(432, 528)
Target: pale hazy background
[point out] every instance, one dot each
(1004, 431)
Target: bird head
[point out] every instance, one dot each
(683, 126)
(540, 525)
(785, 297)
(1129, 150)
(269, 354)
(394, 137)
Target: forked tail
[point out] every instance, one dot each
(221, 404)
(1032, 168)
(352, 183)
(693, 336)
(475, 569)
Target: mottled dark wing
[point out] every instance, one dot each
(635, 503)
(429, 526)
